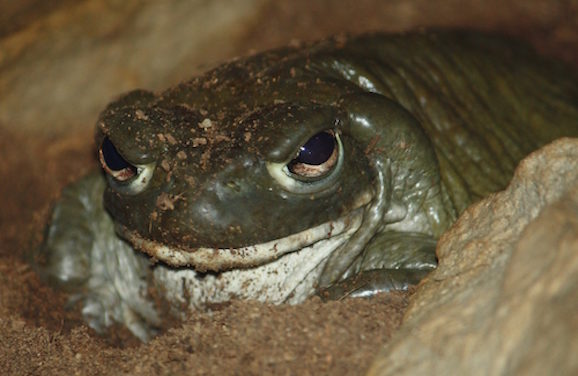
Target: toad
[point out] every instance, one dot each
(330, 168)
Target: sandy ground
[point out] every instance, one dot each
(39, 336)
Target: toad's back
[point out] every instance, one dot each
(484, 102)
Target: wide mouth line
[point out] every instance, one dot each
(219, 259)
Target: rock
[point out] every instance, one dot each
(504, 299)
(61, 70)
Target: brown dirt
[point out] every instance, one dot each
(39, 336)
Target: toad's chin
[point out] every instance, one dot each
(220, 259)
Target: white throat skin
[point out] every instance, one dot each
(284, 270)
(290, 278)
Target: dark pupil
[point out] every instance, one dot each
(317, 150)
(112, 157)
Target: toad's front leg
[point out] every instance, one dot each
(83, 255)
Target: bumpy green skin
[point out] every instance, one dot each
(429, 122)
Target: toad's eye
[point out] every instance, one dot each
(122, 175)
(113, 163)
(316, 167)
(317, 157)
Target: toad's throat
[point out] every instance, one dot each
(221, 259)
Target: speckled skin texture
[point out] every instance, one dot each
(429, 122)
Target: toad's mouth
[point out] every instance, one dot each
(220, 259)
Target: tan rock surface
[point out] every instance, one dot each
(62, 61)
(504, 299)
(62, 70)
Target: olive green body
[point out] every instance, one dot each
(426, 123)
